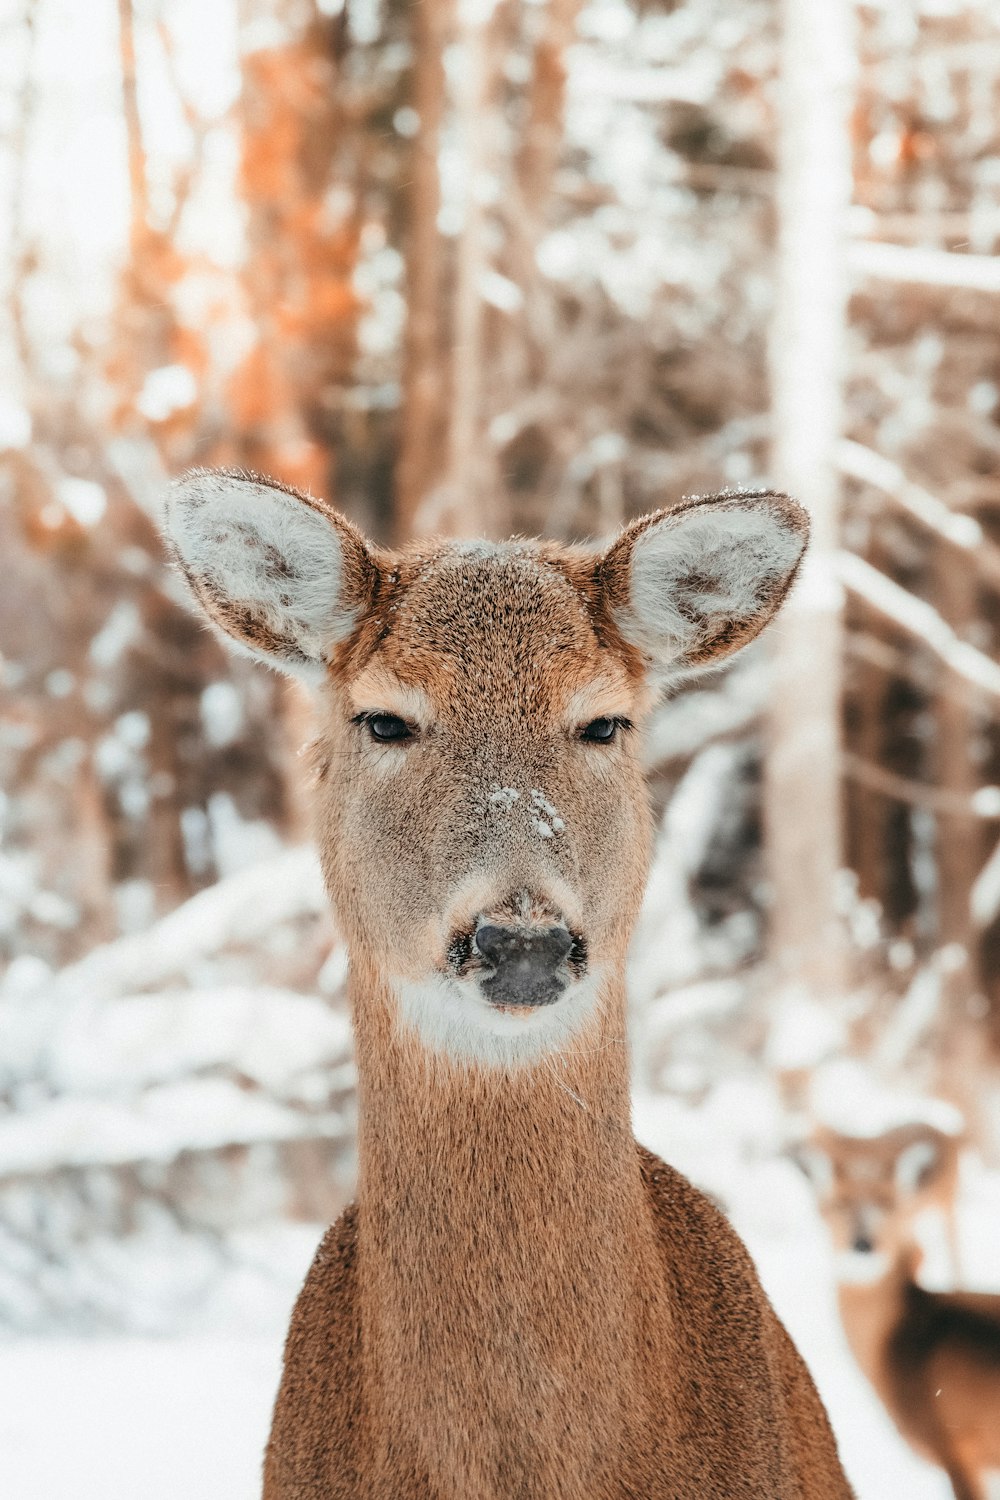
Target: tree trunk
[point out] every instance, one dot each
(462, 502)
(802, 790)
(962, 850)
(543, 134)
(137, 181)
(425, 364)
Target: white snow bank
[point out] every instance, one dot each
(850, 1098)
(266, 1035)
(235, 911)
(130, 1418)
(157, 1125)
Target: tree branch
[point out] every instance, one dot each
(138, 185)
(983, 806)
(921, 620)
(913, 263)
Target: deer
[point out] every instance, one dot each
(932, 1357)
(521, 1302)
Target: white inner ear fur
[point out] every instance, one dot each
(261, 548)
(914, 1166)
(742, 549)
(817, 1166)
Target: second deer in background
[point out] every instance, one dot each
(933, 1357)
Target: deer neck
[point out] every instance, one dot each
(871, 1311)
(502, 1230)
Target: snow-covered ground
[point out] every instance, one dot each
(135, 1419)
(173, 1042)
(142, 1419)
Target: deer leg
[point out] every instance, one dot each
(966, 1485)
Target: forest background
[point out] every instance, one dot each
(476, 266)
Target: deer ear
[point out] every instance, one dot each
(280, 573)
(916, 1166)
(814, 1164)
(689, 586)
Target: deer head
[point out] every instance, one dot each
(483, 821)
(870, 1189)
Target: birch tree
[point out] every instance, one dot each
(802, 793)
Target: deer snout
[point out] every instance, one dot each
(524, 965)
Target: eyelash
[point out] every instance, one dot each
(367, 720)
(619, 725)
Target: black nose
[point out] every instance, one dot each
(863, 1245)
(525, 962)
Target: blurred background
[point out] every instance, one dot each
(479, 266)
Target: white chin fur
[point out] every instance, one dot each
(861, 1267)
(452, 1016)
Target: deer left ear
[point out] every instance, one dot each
(687, 587)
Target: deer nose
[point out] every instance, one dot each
(525, 963)
(862, 1244)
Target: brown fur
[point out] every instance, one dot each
(932, 1357)
(522, 1305)
(551, 1313)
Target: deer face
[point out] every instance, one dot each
(870, 1190)
(483, 822)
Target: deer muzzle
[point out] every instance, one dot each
(524, 966)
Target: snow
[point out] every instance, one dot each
(15, 424)
(984, 898)
(222, 716)
(686, 724)
(545, 811)
(135, 1418)
(882, 474)
(118, 632)
(504, 797)
(166, 1120)
(921, 620)
(233, 911)
(189, 1416)
(929, 267)
(165, 391)
(140, 1053)
(85, 500)
(848, 1097)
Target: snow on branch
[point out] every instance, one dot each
(871, 468)
(235, 910)
(921, 620)
(984, 898)
(684, 725)
(40, 1010)
(196, 1114)
(928, 267)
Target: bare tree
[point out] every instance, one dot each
(802, 796)
(425, 361)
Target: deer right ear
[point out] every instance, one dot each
(689, 586)
(917, 1165)
(282, 574)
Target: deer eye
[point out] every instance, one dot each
(387, 728)
(603, 731)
